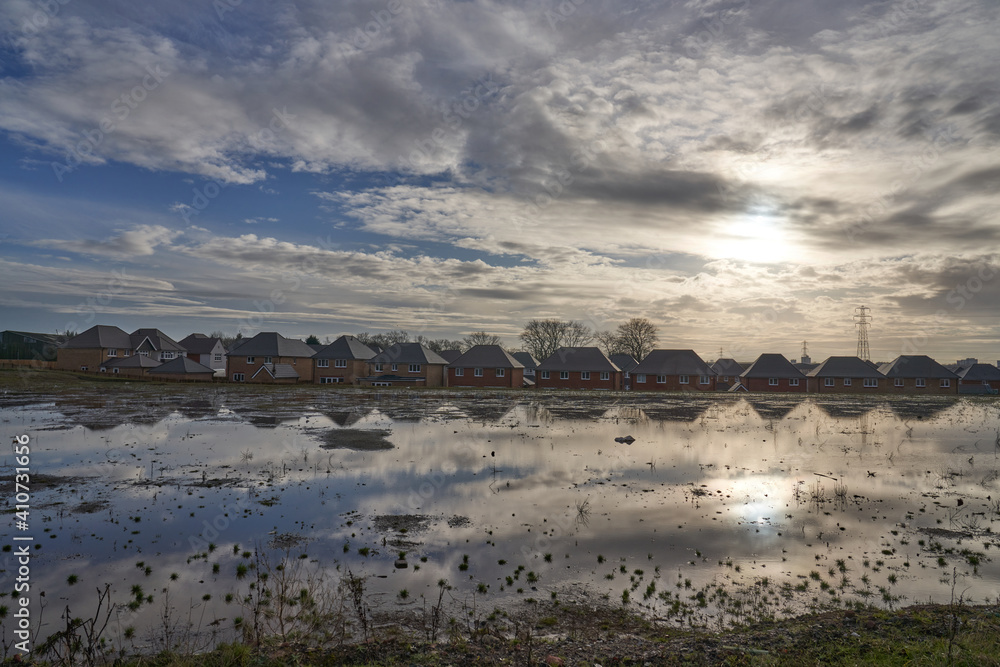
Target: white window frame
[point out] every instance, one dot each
(898, 382)
(459, 372)
(640, 378)
(584, 375)
(113, 352)
(478, 372)
(239, 377)
(414, 368)
(921, 383)
(563, 375)
(394, 368)
(378, 368)
(793, 382)
(945, 383)
(251, 361)
(217, 358)
(829, 382)
(662, 379)
(322, 363)
(501, 372)
(84, 368)
(115, 370)
(331, 380)
(683, 379)
(871, 382)
(104, 370)
(772, 382)
(605, 375)
(166, 355)
(847, 382)
(340, 363)
(267, 360)
(705, 379)
(545, 375)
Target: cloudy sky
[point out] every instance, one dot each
(744, 173)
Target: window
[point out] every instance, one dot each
(772, 382)
(584, 375)
(144, 353)
(112, 352)
(725, 378)
(105, 370)
(606, 375)
(267, 360)
(945, 383)
(563, 375)
(501, 372)
(340, 363)
(378, 368)
(640, 378)
(166, 355)
(238, 377)
(322, 363)
(459, 372)
(705, 380)
(793, 382)
(218, 357)
(116, 370)
(250, 360)
(828, 382)
(381, 384)
(83, 368)
(127, 353)
(921, 382)
(545, 375)
(684, 379)
(847, 382)
(626, 376)
(330, 380)
(662, 379)
(478, 372)
(414, 368)
(871, 382)
(395, 367)
(898, 382)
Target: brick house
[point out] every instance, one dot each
(846, 375)
(918, 374)
(673, 370)
(207, 351)
(625, 362)
(486, 366)
(270, 349)
(135, 366)
(530, 366)
(406, 365)
(155, 344)
(773, 373)
(727, 372)
(182, 369)
(578, 368)
(976, 378)
(88, 350)
(342, 361)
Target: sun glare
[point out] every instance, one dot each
(755, 238)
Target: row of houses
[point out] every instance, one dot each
(270, 357)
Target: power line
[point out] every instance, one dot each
(862, 320)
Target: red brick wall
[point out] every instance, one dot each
(761, 384)
(910, 387)
(574, 381)
(238, 364)
(673, 383)
(513, 377)
(355, 369)
(433, 372)
(818, 386)
(71, 359)
(975, 383)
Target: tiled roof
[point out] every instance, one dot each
(772, 366)
(450, 355)
(198, 343)
(271, 344)
(346, 347)
(578, 359)
(845, 367)
(486, 356)
(408, 353)
(915, 366)
(182, 366)
(626, 362)
(158, 340)
(726, 366)
(278, 371)
(134, 361)
(101, 336)
(527, 360)
(980, 372)
(672, 362)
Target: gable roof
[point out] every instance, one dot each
(277, 371)
(345, 347)
(527, 360)
(198, 343)
(450, 355)
(915, 366)
(980, 372)
(626, 362)
(727, 366)
(271, 344)
(845, 367)
(772, 366)
(672, 362)
(156, 338)
(101, 336)
(135, 361)
(486, 356)
(408, 353)
(182, 366)
(578, 359)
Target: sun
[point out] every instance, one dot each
(756, 237)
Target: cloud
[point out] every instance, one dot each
(139, 241)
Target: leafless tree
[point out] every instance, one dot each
(480, 338)
(637, 337)
(577, 334)
(543, 337)
(609, 342)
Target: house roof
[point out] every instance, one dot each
(135, 361)
(198, 343)
(408, 353)
(527, 360)
(486, 356)
(845, 367)
(277, 371)
(772, 366)
(182, 366)
(672, 362)
(101, 336)
(915, 366)
(51, 339)
(578, 359)
(345, 347)
(271, 344)
(727, 366)
(979, 372)
(450, 355)
(157, 339)
(626, 362)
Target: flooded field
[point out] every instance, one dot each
(722, 508)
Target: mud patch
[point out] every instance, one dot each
(458, 521)
(373, 440)
(91, 506)
(401, 523)
(287, 541)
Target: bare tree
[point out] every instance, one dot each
(609, 342)
(480, 338)
(439, 344)
(637, 337)
(543, 337)
(577, 334)
(383, 340)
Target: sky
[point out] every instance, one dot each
(743, 173)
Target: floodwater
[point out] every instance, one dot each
(722, 508)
